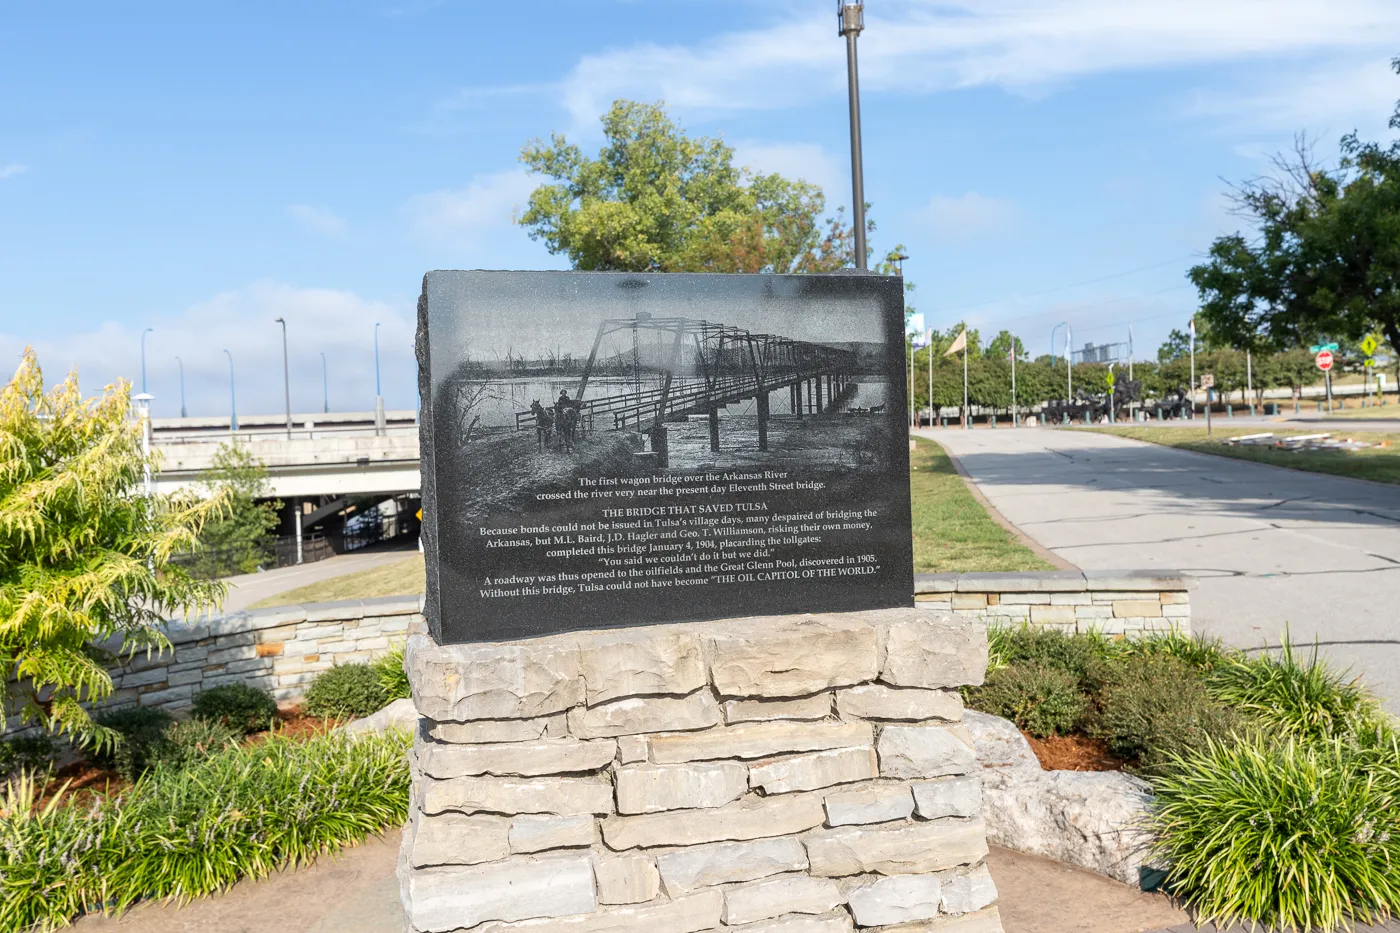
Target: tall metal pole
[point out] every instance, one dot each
(1132, 415)
(325, 387)
(181, 364)
(143, 402)
(929, 345)
(1069, 359)
(143, 358)
(1192, 342)
(967, 415)
(286, 378)
(852, 20)
(232, 399)
(1015, 422)
(1249, 377)
(378, 388)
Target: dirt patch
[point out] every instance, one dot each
(294, 724)
(1074, 753)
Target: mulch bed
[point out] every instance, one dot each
(1074, 753)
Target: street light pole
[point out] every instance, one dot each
(286, 378)
(1069, 360)
(852, 20)
(325, 390)
(143, 403)
(232, 399)
(143, 358)
(181, 363)
(378, 388)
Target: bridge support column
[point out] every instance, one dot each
(659, 445)
(762, 401)
(714, 429)
(795, 391)
(818, 381)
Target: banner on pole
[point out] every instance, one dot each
(959, 344)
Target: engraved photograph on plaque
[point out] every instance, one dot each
(617, 449)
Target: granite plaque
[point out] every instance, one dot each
(615, 449)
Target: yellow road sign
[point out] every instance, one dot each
(1369, 344)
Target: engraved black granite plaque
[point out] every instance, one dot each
(614, 449)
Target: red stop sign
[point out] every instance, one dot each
(1324, 360)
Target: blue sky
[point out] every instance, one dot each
(202, 169)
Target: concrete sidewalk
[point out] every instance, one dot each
(250, 588)
(358, 893)
(1264, 547)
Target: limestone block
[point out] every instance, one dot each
(747, 818)
(877, 701)
(545, 832)
(562, 795)
(454, 839)
(1052, 615)
(922, 751)
(963, 601)
(635, 715)
(553, 756)
(814, 770)
(631, 749)
(759, 740)
(1025, 599)
(881, 803)
(1175, 599)
(1048, 581)
(684, 870)
(908, 848)
(1132, 580)
(522, 680)
(640, 661)
(965, 893)
(896, 899)
(1093, 612)
(813, 707)
(1112, 597)
(1169, 610)
(836, 922)
(1136, 609)
(450, 898)
(790, 656)
(986, 920)
(958, 796)
(626, 879)
(693, 914)
(498, 730)
(928, 649)
(399, 715)
(1071, 599)
(656, 788)
(782, 894)
(935, 583)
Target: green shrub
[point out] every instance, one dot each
(188, 741)
(1042, 700)
(1083, 655)
(31, 753)
(1290, 834)
(1291, 695)
(141, 739)
(348, 691)
(1199, 652)
(1156, 707)
(241, 707)
(393, 676)
(241, 812)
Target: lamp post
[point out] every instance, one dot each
(143, 358)
(1069, 360)
(232, 399)
(378, 387)
(325, 390)
(143, 403)
(181, 363)
(286, 378)
(851, 17)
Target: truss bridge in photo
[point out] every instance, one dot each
(699, 369)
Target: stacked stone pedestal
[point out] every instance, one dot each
(798, 774)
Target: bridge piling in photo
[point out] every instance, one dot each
(762, 400)
(714, 429)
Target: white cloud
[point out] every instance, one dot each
(807, 161)
(317, 219)
(338, 323)
(972, 214)
(11, 170)
(932, 45)
(1329, 99)
(467, 217)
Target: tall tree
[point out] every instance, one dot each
(85, 555)
(1325, 258)
(1000, 347)
(657, 199)
(239, 540)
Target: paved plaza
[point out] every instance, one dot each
(1265, 547)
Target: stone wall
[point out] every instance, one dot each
(279, 650)
(1115, 602)
(802, 774)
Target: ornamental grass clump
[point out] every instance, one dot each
(1290, 694)
(393, 676)
(183, 833)
(1293, 833)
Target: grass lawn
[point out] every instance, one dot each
(1388, 412)
(401, 578)
(952, 532)
(1381, 464)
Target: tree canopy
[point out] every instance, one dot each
(85, 555)
(241, 539)
(1324, 261)
(655, 198)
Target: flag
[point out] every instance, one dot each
(1011, 354)
(959, 344)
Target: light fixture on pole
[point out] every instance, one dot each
(286, 378)
(851, 17)
(325, 390)
(181, 363)
(232, 398)
(143, 358)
